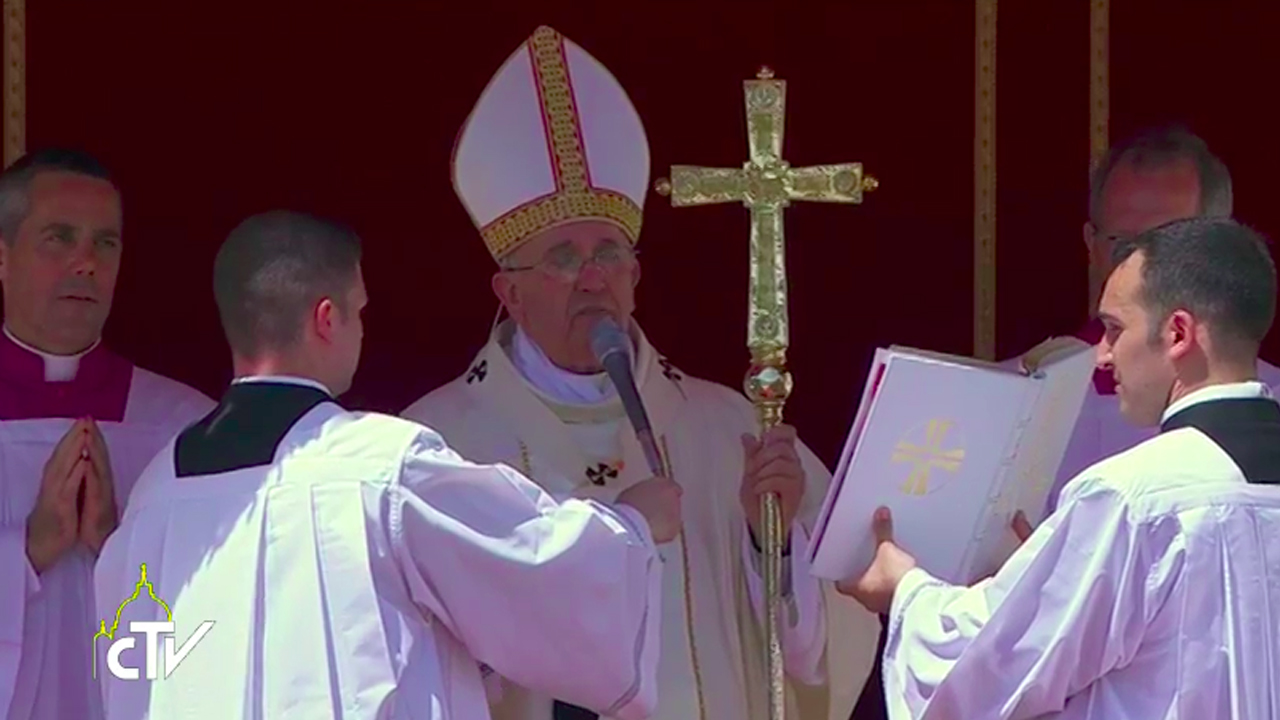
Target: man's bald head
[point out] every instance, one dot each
(1154, 178)
(1154, 156)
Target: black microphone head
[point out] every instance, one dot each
(608, 338)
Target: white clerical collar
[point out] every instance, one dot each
(556, 382)
(1226, 391)
(57, 368)
(284, 379)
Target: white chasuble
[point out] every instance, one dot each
(712, 662)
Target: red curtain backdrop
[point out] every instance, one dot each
(209, 112)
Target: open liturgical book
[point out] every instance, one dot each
(953, 447)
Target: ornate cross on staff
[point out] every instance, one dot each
(766, 184)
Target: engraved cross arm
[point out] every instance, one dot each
(753, 185)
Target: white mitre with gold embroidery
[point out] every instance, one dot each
(554, 138)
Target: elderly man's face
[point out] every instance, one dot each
(564, 280)
(1134, 201)
(59, 271)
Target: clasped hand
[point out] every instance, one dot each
(78, 466)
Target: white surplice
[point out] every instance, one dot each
(369, 571)
(1101, 431)
(1153, 592)
(572, 436)
(48, 619)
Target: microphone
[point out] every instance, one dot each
(609, 344)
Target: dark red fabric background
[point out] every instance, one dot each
(210, 112)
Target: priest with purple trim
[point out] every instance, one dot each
(78, 423)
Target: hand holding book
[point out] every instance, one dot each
(955, 448)
(875, 588)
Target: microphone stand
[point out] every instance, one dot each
(609, 345)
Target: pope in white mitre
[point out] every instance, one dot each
(553, 167)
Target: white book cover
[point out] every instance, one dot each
(953, 447)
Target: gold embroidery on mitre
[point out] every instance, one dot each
(574, 197)
(560, 117)
(509, 231)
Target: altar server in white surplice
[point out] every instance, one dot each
(78, 423)
(351, 563)
(553, 167)
(1153, 591)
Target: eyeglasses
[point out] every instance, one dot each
(565, 263)
(1110, 238)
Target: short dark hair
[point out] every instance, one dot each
(1158, 148)
(15, 182)
(271, 272)
(1215, 268)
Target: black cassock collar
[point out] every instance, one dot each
(1247, 429)
(245, 429)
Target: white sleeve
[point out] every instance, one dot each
(1066, 608)
(20, 582)
(561, 598)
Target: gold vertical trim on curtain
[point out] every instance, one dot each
(15, 80)
(1099, 81)
(984, 186)
(1099, 91)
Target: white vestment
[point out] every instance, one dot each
(1153, 592)
(712, 664)
(45, 637)
(365, 570)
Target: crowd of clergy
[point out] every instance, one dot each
(502, 549)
